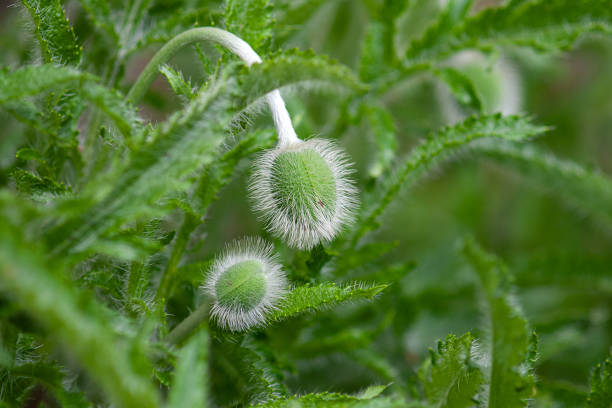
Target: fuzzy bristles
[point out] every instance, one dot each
(251, 255)
(306, 196)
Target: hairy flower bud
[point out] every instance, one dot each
(303, 192)
(244, 282)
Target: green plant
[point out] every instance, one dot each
(119, 192)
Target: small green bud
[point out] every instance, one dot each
(245, 282)
(303, 192)
(304, 183)
(241, 286)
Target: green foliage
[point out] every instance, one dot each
(509, 346)
(190, 379)
(440, 147)
(55, 35)
(250, 20)
(111, 215)
(73, 319)
(544, 25)
(311, 298)
(582, 188)
(298, 68)
(601, 385)
(368, 398)
(451, 377)
(179, 85)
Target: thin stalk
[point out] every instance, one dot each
(184, 328)
(282, 120)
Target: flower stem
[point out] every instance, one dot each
(191, 322)
(282, 120)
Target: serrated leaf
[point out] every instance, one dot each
(508, 346)
(450, 376)
(369, 398)
(189, 388)
(33, 80)
(300, 68)
(29, 183)
(77, 322)
(582, 188)
(601, 385)
(179, 85)
(265, 377)
(55, 35)
(250, 20)
(543, 25)
(220, 172)
(438, 148)
(307, 298)
(187, 141)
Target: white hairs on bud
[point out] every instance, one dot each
(307, 229)
(246, 249)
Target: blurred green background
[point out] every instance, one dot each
(561, 257)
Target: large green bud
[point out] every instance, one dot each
(303, 192)
(244, 283)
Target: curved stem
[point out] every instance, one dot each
(282, 120)
(191, 322)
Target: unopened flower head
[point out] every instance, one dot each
(303, 192)
(245, 282)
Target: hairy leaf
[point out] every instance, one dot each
(436, 149)
(55, 35)
(33, 80)
(250, 20)
(186, 142)
(369, 398)
(450, 376)
(297, 68)
(601, 385)
(543, 25)
(587, 190)
(77, 322)
(309, 298)
(508, 361)
(189, 389)
(179, 85)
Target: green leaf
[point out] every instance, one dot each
(451, 376)
(220, 172)
(508, 347)
(381, 124)
(307, 298)
(250, 20)
(587, 190)
(260, 363)
(31, 184)
(460, 85)
(100, 14)
(188, 140)
(180, 87)
(55, 35)
(302, 68)
(601, 385)
(33, 80)
(189, 388)
(438, 148)
(71, 317)
(369, 398)
(170, 25)
(543, 25)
